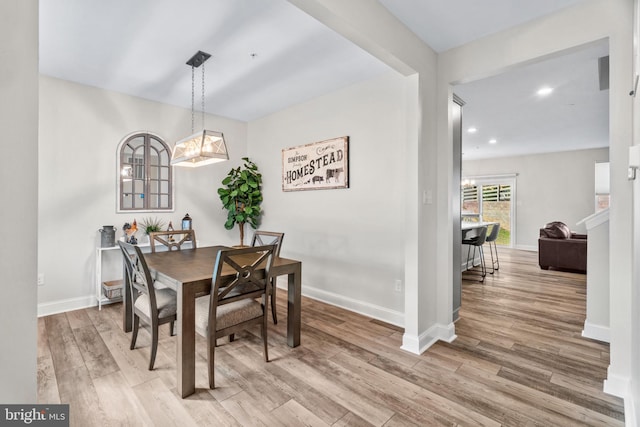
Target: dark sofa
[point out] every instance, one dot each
(559, 247)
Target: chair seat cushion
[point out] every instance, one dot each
(471, 241)
(474, 236)
(227, 315)
(165, 300)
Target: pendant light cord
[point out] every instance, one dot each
(203, 94)
(193, 91)
(193, 61)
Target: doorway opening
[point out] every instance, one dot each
(511, 131)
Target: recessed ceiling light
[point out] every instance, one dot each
(493, 141)
(544, 91)
(472, 130)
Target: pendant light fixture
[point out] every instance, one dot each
(204, 147)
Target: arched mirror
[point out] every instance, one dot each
(145, 179)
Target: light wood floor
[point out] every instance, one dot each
(519, 360)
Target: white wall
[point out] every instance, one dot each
(634, 408)
(549, 187)
(570, 28)
(596, 323)
(350, 241)
(427, 314)
(80, 129)
(18, 191)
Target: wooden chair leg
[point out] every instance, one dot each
(154, 346)
(172, 330)
(211, 362)
(134, 333)
(232, 337)
(264, 339)
(273, 302)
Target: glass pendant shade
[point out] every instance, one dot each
(203, 148)
(207, 146)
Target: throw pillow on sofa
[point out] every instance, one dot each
(557, 230)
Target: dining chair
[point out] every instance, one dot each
(492, 236)
(240, 278)
(260, 238)
(154, 306)
(173, 239)
(475, 238)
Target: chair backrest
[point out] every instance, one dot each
(482, 236)
(493, 234)
(138, 273)
(261, 238)
(240, 274)
(173, 240)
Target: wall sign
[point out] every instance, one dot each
(316, 166)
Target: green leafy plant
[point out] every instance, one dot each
(241, 196)
(150, 225)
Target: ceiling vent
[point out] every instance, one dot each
(603, 72)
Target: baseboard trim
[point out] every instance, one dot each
(417, 345)
(464, 266)
(64, 305)
(370, 310)
(413, 344)
(617, 385)
(447, 333)
(620, 386)
(596, 332)
(420, 344)
(526, 248)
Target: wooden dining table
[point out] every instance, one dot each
(189, 272)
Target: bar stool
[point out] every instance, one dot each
(492, 236)
(476, 240)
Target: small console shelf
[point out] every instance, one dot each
(111, 279)
(111, 282)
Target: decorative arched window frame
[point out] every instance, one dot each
(145, 174)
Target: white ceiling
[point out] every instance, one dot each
(507, 108)
(447, 24)
(140, 48)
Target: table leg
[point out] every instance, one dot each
(294, 306)
(186, 341)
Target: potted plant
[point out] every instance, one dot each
(149, 225)
(241, 196)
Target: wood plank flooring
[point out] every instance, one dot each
(519, 360)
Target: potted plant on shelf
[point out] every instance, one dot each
(241, 196)
(149, 225)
